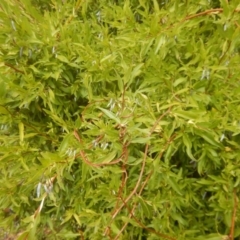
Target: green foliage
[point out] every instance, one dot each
(119, 119)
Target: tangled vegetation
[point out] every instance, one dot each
(119, 119)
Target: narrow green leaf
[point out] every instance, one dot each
(174, 185)
(141, 140)
(111, 115)
(62, 58)
(109, 157)
(21, 131)
(208, 137)
(187, 142)
(179, 81)
(3, 110)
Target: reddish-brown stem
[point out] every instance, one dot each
(134, 191)
(210, 11)
(236, 23)
(158, 120)
(136, 186)
(14, 68)
(131, 214)
(131, 211)
(85, 159)
(123, 227)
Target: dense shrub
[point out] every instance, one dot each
(119, 119)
